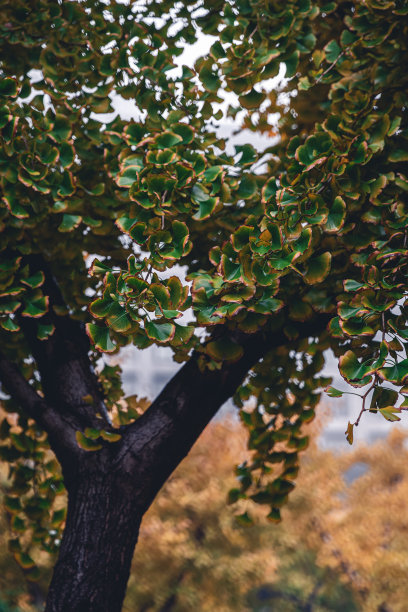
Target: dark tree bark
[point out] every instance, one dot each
(110, 490)
(97, 548)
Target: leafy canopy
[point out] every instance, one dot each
(311, 228)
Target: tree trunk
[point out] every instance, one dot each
(110, 490)
(101, 532)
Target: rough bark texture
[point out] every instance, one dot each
(97, 548)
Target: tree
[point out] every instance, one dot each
(287, 252)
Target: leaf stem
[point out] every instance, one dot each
(330, 67)
(364, 409)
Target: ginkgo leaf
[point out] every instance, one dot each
(390, 413)
(100, 337)
(161, 332)
(87, 443)
(318, 268)
(224, 349)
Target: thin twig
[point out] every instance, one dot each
(364, 409)
(330, 67)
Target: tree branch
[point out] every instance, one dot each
(66, 372)
(155, 444)
(60, 430)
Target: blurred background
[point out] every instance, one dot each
(146, 374)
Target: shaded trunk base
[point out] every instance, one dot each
(96, 552)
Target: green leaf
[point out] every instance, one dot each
(98, 267)
(224, 349)
(87, 443)
(34, 281)
(162, 295)
(110, 436)
(129, 176)
(9, 325)
(186, 132)
(241, 237)
(199, 194)
(160, 332)
(352, 285)
(69, 222)
(8, 87)
(208, 77)
(92, 433)
(183, 334)
(9, 306)
(269, 190)
(134, 133)
(118, 319)
(176, 290)
(66, 154)
(166, 140)
(303, 242)
(300, 310)
(45, 331)
(15, 207)
(244, 519)
(396, 374)
(291, 62)
(12, 504)
(332, 51)
(347, 312)
(390, 413)
(247, 187)
(274, 515)
(24, 560)
(318, 268)
(159, 183)
(332, 392)
(58, 517)
(217, 50)
(383, 397)
(233, 496)
(355, 326)
(100, 337)
(265, 56)
(61, 129)
(212, 173)
(205, 209)
(347, 38)
(35, 307)
(337, 215)
(354, 372)
(267, 305)
(253, 99)
(161, 158)
(247, 155)
(264, 277)
(17, 524)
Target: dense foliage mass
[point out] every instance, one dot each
(306, 238)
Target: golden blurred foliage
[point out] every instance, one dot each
(342, 544)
